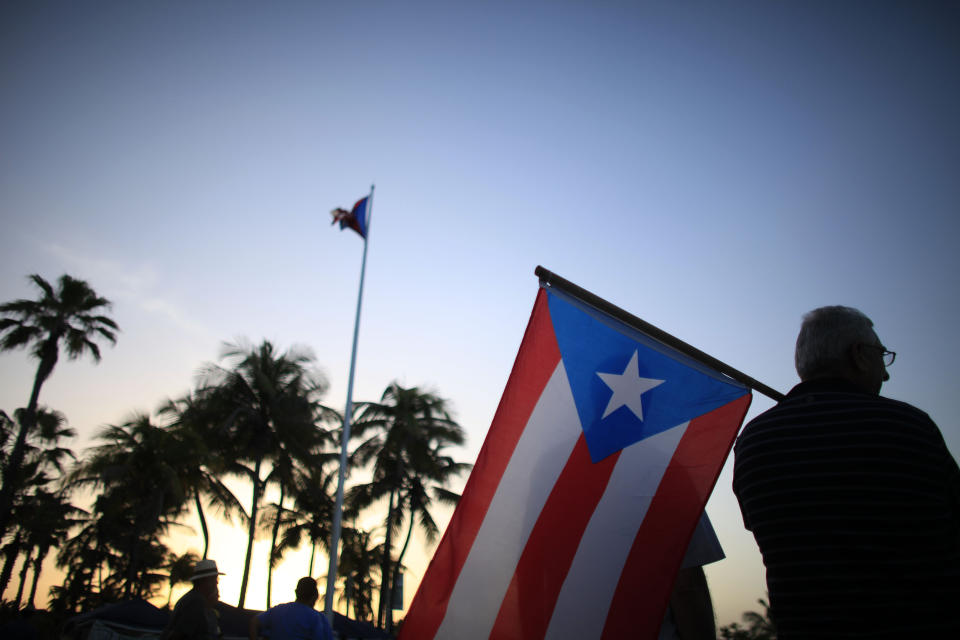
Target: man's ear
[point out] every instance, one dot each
(859, 357)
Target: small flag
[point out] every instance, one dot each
(355, 219)
(588, 487)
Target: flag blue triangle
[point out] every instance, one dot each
(592, 343)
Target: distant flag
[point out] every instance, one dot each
(591, 481)
(355, 219)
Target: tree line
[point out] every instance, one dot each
(256, 415)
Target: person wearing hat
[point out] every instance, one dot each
(294, 620)
(194, 617)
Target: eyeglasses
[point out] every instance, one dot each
(888, 356)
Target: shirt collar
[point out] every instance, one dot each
(825, 384)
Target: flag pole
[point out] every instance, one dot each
(345, 436)
(550, 279)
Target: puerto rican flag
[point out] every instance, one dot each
(355, 219)
(594, 473)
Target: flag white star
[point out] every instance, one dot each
(627, 388)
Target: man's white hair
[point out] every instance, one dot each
(826, 336)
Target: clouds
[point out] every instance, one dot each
(138, 286)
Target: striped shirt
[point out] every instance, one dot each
(854, 501)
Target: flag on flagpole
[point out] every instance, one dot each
(355, 219)
(592, 478)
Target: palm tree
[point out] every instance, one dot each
(406, 434)
(179, 569)
(7, 429)
(42, 454)
(418, 496)
(11, 551)
(45, 525)
(306, 483)
(141, 492)
(309, 518)
(27, 561)
(759, 626)
(357, 571)
(203, 460)
(68, 317)
(55, 517)
(282, 474)
(267, 403)
(84, 557)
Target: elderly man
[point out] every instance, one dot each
(194, 617)
(294, 620)
(854, 499)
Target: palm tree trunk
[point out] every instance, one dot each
(37, 567)
(203, 523)
(130, 573)
(23, 575)
(313, 552)
(146, 522)
(385, 565)
(273, 543)
(396, 571)
(10, 552)
(11, 470)
(251, 532)
(133, 564)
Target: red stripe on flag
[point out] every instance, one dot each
(643, 591)
(536, 361)
(553, 542)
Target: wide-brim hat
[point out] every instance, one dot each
(205, 569)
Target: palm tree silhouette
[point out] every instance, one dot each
(406, 435)
(203, 460)
(84, 556)
(141, 494)
(50, 521)
(358, 571)
(37, 496)
(179, 569)
(309, 516)
(759, 626)
(267, 404)
(68, 317)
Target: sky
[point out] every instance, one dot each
(717, 169)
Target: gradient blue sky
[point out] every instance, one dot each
(715, 168)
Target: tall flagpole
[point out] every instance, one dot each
(345, 437)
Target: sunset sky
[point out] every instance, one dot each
(715, 168)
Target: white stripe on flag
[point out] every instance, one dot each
(585, 597)
(540, 455)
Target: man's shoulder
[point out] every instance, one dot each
(190, 599)
(286, 607)
(836, 415)
(818, 399)
(296, 608)
(187, 613)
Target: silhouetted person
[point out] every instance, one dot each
(193, 616)
(689, 615)
(854, 499)
(294, 620)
